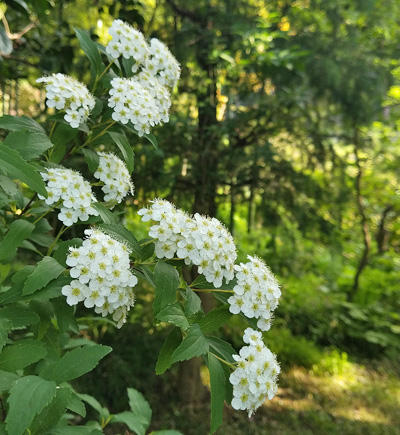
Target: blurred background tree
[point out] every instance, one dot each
(284, 126)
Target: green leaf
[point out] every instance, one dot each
(9, 187)
(194, 344)
(5, 328)
(6, 45)
(65, 315)
(125, 148)
(76, 405)
(21, 354)
(167, 282)
(18, 232)
(28, 144)
(173, 340)
(105, 214)
(217, 386)
(103, 412)
(215, 319)
(166, 432)
(193, 302)
(147, 250)
(28, 396)
(52, 413)
(221, 348)
(71, 430)
(123, 235)
(13, 123)
(63, 134)
(136, 423)
(17, 168)
(6, 380)
(92, 159)
(139, 405)
(46, 270)
(19, 316)
(75, 363)
(91, 51)
(152, 139)
(173, 313)
(52, 290)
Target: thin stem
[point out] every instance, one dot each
(222, 360)
(52, 129)
(209, 290)
(45, 213)
(100, 76)
(24, 210)
(148, 242)
(60, 233)
(99, 135)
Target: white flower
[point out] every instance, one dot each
(100, 268)
(113, 172)
(255, 378)
(198, 240)
(68, 94)
(72, 192)
(257, 292)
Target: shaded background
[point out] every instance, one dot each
(284, 126)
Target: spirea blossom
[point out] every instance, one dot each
(255, 378)
(67, 94)
(198, 240)
(101, 276)
(257, 292)
(113, 172)
(71, 193)
(131, 102)
(160, 93)
(163, 64)
(127, 42)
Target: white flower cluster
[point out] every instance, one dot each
(255, 377)
(72, 192)
(256, 293)
(163, 64)
(113, 172)
(160, 93)
(67, 94)
(131, 102)
(127, 42)
(102, 279)
(198, 240)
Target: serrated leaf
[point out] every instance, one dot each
(21, 354)
(19, 230)
(125, 148)
(17, 168)
(105, 214)
(72, 430)
(63, 134)
(152, 139)
(92, 159)
(139, 405)
(51, 414)
(19, 316)
(215, 319)
(166, 279)
(193, 302)
(28, 396)
(222, 348)
(147, 249)
(5, 328)
(6, 380)
(75, 363)
(166, 432)
(194, 344)
(217, 386)
(136, 423)
(123, 235)
(28, 144)
(46, 270)
(173, 313)
(171, 343)
(13, 123)
(52, 290)
(76, 405)
(65, 315)
(91, 51)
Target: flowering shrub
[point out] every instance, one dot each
(103, 270)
